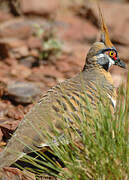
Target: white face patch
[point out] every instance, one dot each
(101, 55)
(111, 62)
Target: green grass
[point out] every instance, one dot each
(103, 154)
(51, 45)
(101, 150)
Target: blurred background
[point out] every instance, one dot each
(43, 42)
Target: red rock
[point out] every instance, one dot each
(39, 7)
(1, 135)
(4, 53)
(12, 42)
(17, 48)
(63, 66)
(19, 52)
(9, 173)
(50, 71)
(4, 16)
(34, 53)
(9, 124)
(76, 28)
(18, 28)
(116, 16)
(30, 60)
(16, 70)
(34, 42)
(119, 76)
(23, 92)
(10, 62)
(123, 53)
(13, 49)
(119, 27)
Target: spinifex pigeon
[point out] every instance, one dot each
(64, 101)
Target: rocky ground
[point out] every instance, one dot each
(45, 42)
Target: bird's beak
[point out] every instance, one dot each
(120, 63)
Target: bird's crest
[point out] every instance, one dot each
(104, 31)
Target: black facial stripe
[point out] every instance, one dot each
(106, 66)
(104, 62)
(107, 49)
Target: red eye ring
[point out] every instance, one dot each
(115, 58)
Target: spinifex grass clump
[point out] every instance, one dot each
(96, 148)
(103, 154)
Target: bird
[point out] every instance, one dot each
(63, 102)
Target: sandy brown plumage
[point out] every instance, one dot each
(63, 102)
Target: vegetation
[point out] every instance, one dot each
(51, 45)
(101, 151)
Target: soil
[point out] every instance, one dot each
(43, 44)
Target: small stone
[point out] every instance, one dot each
(39, 7)
(19, 68)
(22, 92)
(13, 42)
(29, 61)
(19, 52)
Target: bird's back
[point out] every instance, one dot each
(74, 99)
(59, 105)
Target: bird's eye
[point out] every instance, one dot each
(112, 54)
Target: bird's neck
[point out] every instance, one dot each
(97, 68)
(107, 75)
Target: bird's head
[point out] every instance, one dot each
(103, 53)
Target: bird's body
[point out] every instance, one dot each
(64, 102)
